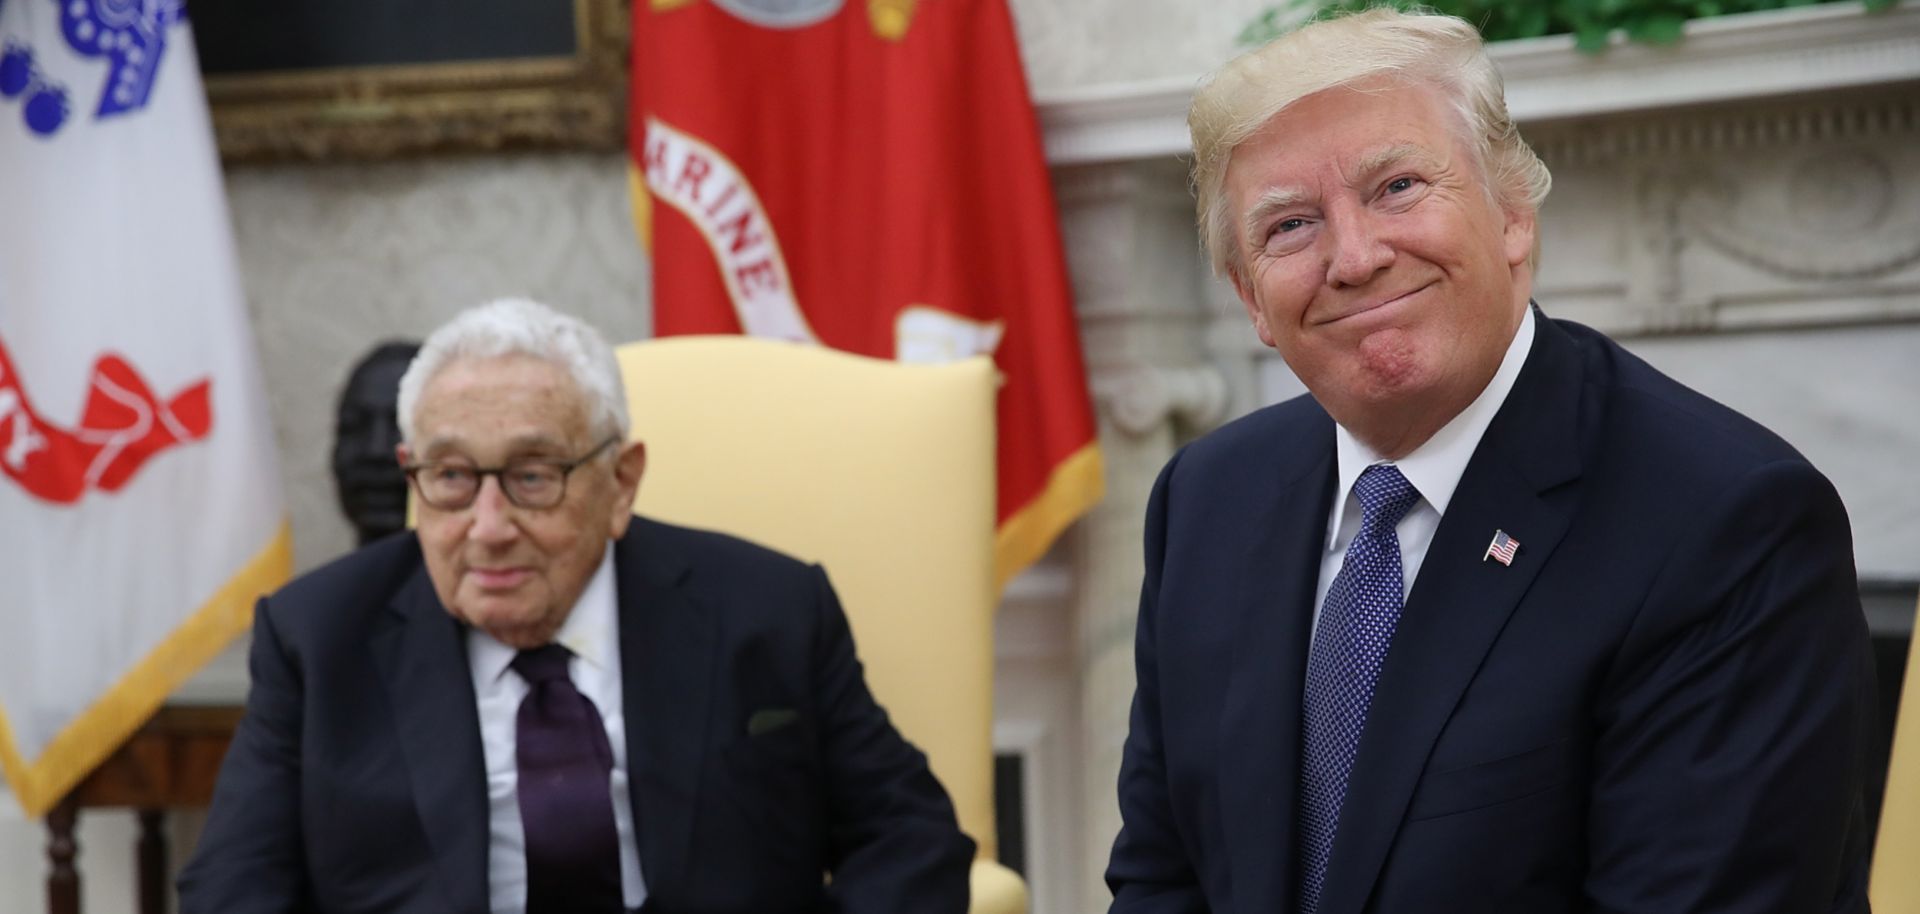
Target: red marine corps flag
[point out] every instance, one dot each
(868, 176)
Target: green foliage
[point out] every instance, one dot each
(1591, 22)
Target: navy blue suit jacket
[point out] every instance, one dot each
(1662, 704)
(356, 780)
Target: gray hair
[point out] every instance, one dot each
(1444, 52)
(519, 326)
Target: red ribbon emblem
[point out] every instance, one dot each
(122, 426)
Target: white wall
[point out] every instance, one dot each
(1074, 44)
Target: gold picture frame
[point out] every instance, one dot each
(572, 102)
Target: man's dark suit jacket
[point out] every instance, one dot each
(356, 781)
(1661, 705)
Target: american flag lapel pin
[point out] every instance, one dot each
(1502, 548)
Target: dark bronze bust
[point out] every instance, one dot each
(373, 491)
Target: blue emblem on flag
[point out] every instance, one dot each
(20, 78)
(130, 34)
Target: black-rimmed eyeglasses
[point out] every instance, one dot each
(536, 483)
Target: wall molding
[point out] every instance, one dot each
(1863, 117)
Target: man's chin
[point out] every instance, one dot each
(515, 625)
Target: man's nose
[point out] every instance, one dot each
(492, 513)
(1356, 251)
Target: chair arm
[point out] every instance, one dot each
(996, 889)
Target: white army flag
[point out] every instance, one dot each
(140, 508)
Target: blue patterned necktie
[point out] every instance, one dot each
(1349, 644)
(566, 808)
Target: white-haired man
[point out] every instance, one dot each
(1497, 619)
(542, 703)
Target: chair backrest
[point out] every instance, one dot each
(1896, 856)
(881, 472)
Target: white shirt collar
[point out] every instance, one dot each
(591, 631)
(1435, 467)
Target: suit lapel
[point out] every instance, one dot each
(1274, 582)
(421, 655)
(1517, 481)
(666, 658)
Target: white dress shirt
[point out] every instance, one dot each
(1434, 469)
(592, 633)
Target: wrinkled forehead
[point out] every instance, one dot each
(459, 444)
(1424, 129)
(499, 407)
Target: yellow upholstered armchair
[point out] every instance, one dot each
(1896, 858)
(881, 472)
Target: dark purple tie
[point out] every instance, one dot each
(573, 851)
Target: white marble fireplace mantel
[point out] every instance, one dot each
(1727, 59)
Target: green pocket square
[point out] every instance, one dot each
(767, 720)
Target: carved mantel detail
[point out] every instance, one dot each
(1838, 221)
(1771, 217)
(1142, 399)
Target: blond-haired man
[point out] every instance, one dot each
(1497, 619)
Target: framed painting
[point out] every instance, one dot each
(369, 79)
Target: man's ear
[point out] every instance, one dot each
(1521, 231)
(402, 454)
(628, 466)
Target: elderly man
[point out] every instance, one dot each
(1498, 618)
(543, 703)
